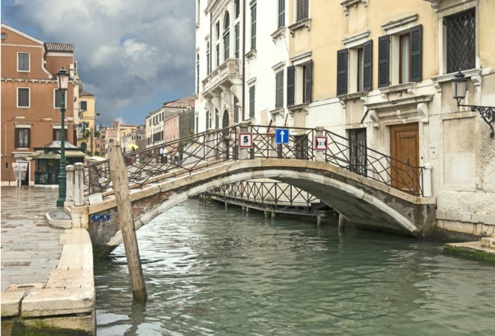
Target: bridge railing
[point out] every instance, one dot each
(267, 192)
(190, 153)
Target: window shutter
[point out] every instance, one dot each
(253, 26)
(368, 65)
(384, 61)
(342, 56)
(417, 54)
(290, 85)
(28, 138)
(309, 81)
(17, 138)
(279, 89)
(281, 13)
(251, 101)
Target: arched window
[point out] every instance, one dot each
(226, 36)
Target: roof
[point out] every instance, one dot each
(57, 144)
(181, 103)
(59, 47)
(86, 94)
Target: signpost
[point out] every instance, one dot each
(281, 136)
(245, 140)
(321, 143)
(20, 170)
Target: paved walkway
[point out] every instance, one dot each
(30, 247)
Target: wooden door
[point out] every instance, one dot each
(404, 150)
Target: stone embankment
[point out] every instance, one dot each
(47, 266)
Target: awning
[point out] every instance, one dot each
(74, 154)
(48, 156)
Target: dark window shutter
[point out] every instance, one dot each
(309, 81)
(368, 65)
(281, 13)
(342, 56)
(384, 61)
(290, 85)
(279, 89)
(28, 138)
(251, 101)
(16, 138)
(253, 26)
(417, 54)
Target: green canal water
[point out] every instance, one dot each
(211, 271)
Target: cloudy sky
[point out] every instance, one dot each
(133, 55)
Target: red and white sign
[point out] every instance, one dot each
(321, 143)
(20, 169)
(245, 140)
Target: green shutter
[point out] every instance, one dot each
(309, 81)
(384, 61)
(416, 54)
(290, 85)
(342, 57)
(368, 65)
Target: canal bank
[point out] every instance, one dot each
(47, 266)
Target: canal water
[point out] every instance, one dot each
(211, 271)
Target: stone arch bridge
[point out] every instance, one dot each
(371, 190)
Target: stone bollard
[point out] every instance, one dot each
(69, 197)
(79, 184)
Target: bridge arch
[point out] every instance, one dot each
(366, 203)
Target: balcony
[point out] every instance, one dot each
(224, 76)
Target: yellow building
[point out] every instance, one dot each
(379, 72)
(86, 125)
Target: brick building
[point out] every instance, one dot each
(30, 101)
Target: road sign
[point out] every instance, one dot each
(321, 143)
(245, 140)
(281, 136)
(100, 217)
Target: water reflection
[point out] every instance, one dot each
(215, 272)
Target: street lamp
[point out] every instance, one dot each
(459, 88)
(63, 84)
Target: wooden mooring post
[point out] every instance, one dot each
(120, 181)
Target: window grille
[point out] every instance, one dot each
(461, 40)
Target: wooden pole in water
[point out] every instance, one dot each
(118, 173)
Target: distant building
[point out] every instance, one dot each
(86, 126)
(30, 101)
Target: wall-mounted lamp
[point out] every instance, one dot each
(459, 88)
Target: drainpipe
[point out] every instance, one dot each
(243, 59)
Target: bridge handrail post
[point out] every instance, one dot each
(79, 184)
(427, 190)
(319, 155)
(69, 197)
(243, 152)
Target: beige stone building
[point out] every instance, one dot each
(86, 125)
(380, 72)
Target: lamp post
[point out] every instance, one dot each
(63, 83)
(459, 88)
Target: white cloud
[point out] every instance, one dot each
(127, 50)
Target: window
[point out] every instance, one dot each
(281, 13)
(218, 54)
(279, 89)
(57, 134)
(253, 24)
(300, 83)
(252, 101)
(237, 41)
(84, 106)
(22, 137)
(400, 57)
(226, 37)
(207, 119)
(22, 97)
(237, 9)
(23, 62)
(302, 9)
(354, 69)
(208, 65)
(217, 119)
(58, 98)
(236, 110)
(197, 73)
(357, 151)
(460, 34)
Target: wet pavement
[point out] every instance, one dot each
(30, 248)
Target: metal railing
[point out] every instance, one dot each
(266, 192)
(204, 149)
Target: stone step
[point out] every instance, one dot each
(488, 242)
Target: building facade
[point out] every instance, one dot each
(31, 103)
(87, 121)
(377, 72)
